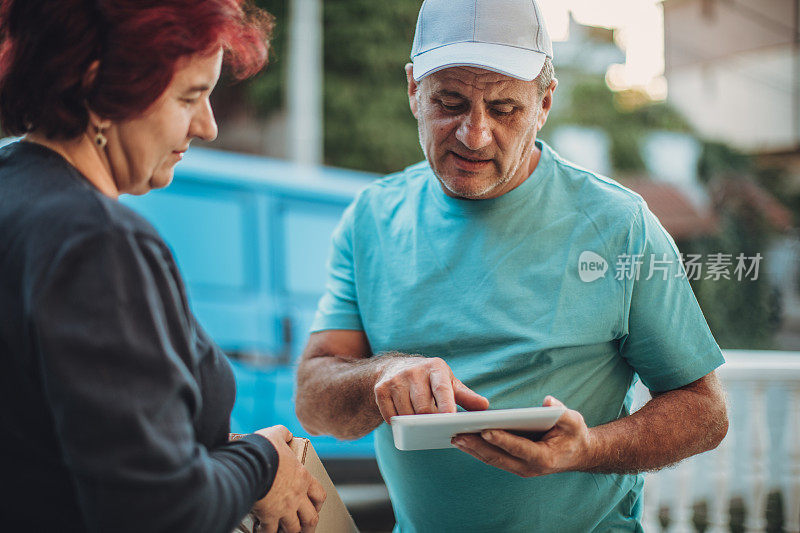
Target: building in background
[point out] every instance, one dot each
(587, 50)
(733, 69)
(586, 53)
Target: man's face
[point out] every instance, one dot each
(477, 128)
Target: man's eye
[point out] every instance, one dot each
(451, 106)
(503, 110)
(189, 101)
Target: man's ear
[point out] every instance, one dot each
(413, 87)
(547, 103)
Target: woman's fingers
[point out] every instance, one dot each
(316, 493)
(308, 516)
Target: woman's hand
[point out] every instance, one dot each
(295, 498)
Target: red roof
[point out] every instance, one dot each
(740, 190)
(673, 208)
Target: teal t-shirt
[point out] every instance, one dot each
(532, 293)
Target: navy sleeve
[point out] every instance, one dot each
(117, 354)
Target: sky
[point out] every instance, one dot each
(640, 34)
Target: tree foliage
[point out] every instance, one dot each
(589, 102)
(746, 313)
(718, 159)
(367, 122)
(265, 92)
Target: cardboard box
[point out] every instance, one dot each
(334, 516)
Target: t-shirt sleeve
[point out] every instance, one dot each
(338, 307)
(668, 342)
(117, 351)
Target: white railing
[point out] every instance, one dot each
(761, 453)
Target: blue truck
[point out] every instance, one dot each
(251, 236)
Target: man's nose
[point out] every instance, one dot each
(474, 131)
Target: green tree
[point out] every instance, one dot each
(625, 117)
(367, 122)
(265, 93)
(717, 159)
(741, 313)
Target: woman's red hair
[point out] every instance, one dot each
(48, 46)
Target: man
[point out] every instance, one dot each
(459, 281)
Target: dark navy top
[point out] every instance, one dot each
(114, 403)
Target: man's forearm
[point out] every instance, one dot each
(672, 426)
(336, 395)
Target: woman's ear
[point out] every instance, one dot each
(98, 123)
(90, 75)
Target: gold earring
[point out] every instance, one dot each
(99, 139)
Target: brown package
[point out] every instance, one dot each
(334, 516)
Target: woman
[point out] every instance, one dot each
(114, 404)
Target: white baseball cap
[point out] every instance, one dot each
(505, 36)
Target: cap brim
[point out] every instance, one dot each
(519, 63)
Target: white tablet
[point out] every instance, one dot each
(430, 432)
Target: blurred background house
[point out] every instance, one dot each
(733, 67)
(694, 104)
(733, 70)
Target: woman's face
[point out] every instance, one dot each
(143, 151)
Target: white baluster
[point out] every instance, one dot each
(652, 482)
(719, 512)
(756, 500)
(681, 512)
(791, 493)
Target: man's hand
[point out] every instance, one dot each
(567, 446)
(422, 385)
(295, 498)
